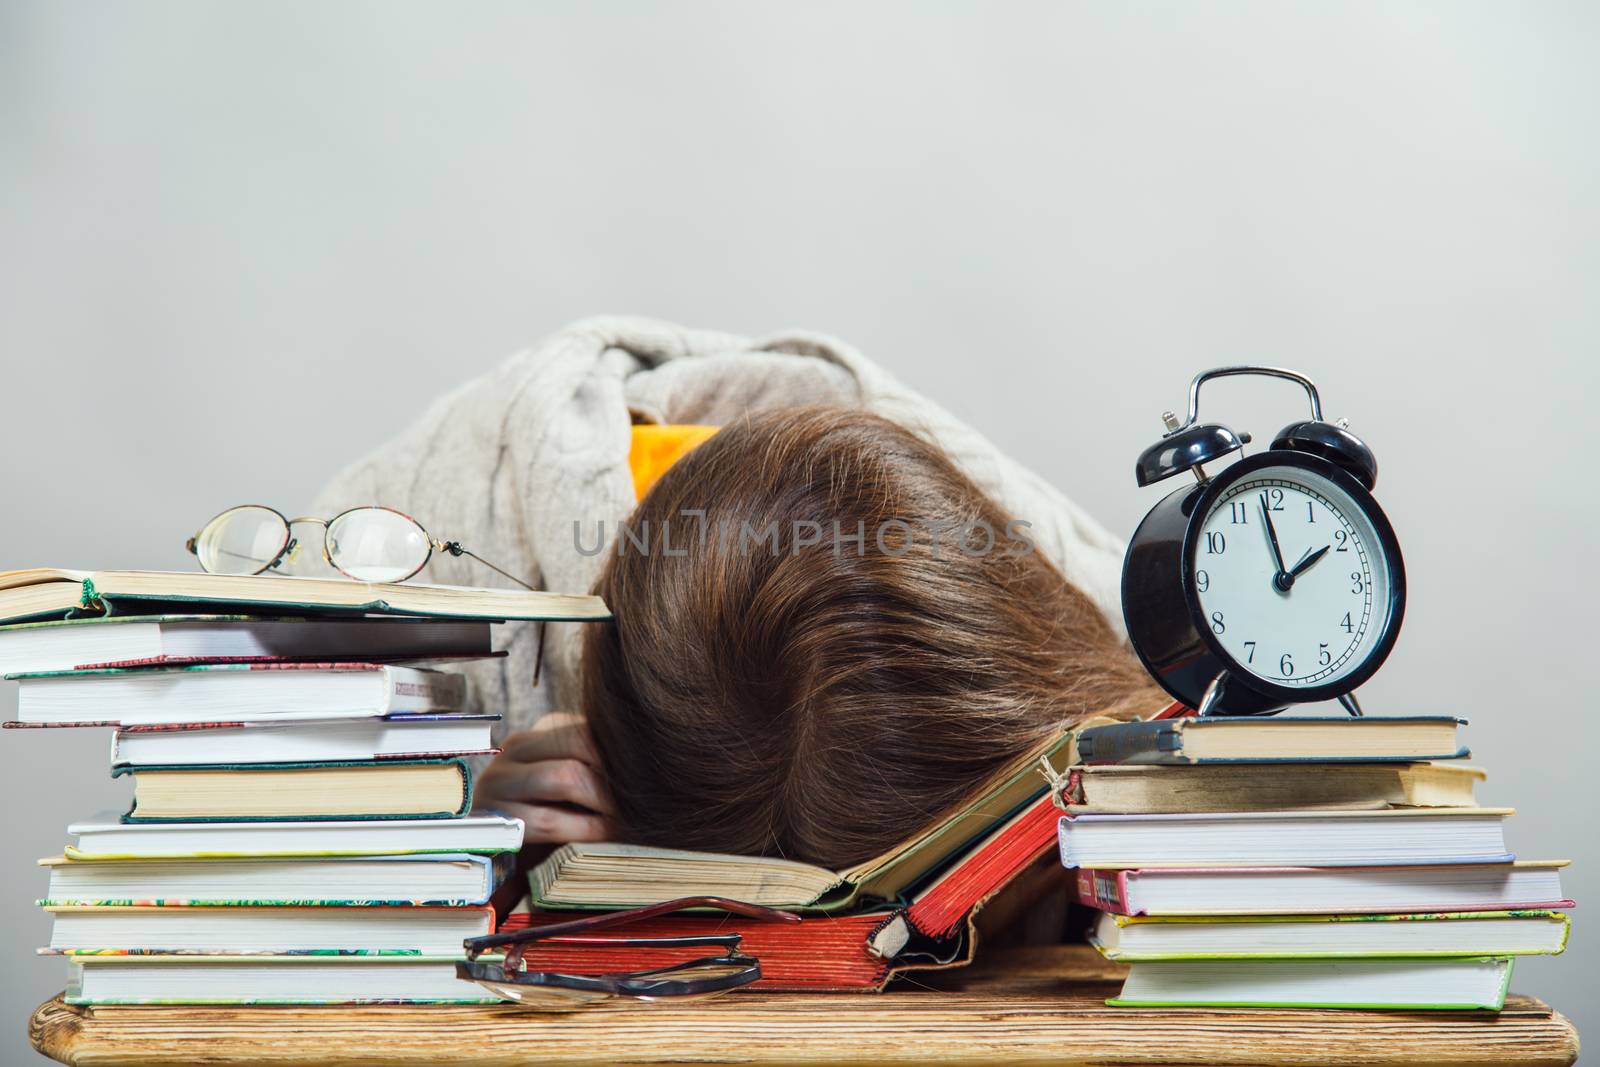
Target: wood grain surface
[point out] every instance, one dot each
(1027, 1006)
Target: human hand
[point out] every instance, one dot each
(549, 778)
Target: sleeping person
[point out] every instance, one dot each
(835, 609)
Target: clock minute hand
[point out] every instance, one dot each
(1281, 578)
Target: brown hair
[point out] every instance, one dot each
(823, 701)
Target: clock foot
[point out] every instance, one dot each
(1348, 702)
(1213, 694)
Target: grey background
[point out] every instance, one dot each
(240, 244)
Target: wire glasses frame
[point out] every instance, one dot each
(208, 547)
(704, 976)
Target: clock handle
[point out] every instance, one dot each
(1228, 372)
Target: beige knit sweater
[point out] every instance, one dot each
(509, 462)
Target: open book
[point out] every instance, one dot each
(610, 876)
(931, 927)
(50, 592)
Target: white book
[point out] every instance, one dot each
(269, 980)
(106, 836)
(237, 931)
(316, 740)
(229, 693)
(63, 645)
(444, 879)
(1310, 890)
(1120, 937)
(1287, 838)
(1460, 984)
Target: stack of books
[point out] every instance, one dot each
(1301, 862)
(301, 826)
(912, 907)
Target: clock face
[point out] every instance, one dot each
(1306, 611)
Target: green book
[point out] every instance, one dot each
(1455, 984)
(52, 592)
(296, 979)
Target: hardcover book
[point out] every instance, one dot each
(1519, 886)
(444, 879)
(107, 837)
(610, 875)
(1427, 984)
(301, 979)
(235, 692)
(1215, 937)
(1287, 838)
(1203, 787)
(931, 926)
(413, 735)
(52, 592)
(177, 930)
(387, 789)
(1246, 739)
(63, 645)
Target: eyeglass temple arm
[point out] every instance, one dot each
(455, 549)
(617, 918)
(727, 941)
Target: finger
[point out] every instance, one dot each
(543, 824)
(564, 781)
(559, 735)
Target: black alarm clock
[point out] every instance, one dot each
(1275, 580)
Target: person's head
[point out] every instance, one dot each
(809, 671)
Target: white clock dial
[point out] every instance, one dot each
(1308, 612)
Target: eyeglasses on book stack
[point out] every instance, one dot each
(300, 751)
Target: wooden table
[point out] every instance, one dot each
(1026, 1006)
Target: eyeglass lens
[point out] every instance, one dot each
(242, 540)
(377, 545)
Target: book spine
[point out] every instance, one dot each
(1135, 742)
(1103, 890)
(412, 691)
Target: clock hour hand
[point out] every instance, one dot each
(1280, 578)
(1305, 563)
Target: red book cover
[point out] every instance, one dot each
(833, 952)
(819, 953)
(939, 909)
